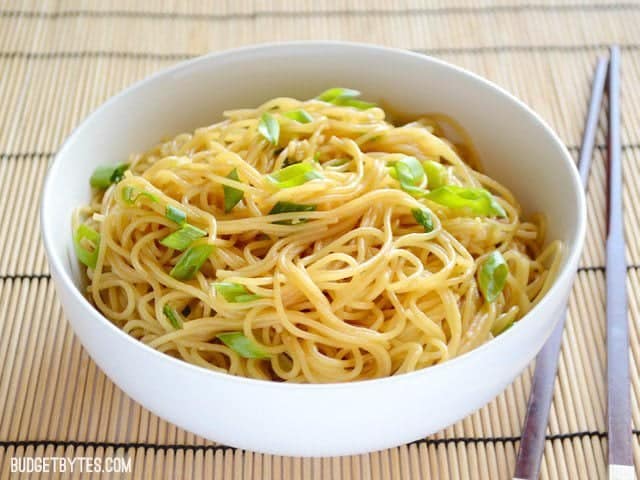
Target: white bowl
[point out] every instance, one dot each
(516, 146)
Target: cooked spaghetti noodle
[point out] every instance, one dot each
(311, 241)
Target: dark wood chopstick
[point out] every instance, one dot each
(618, 387)
(535, 423)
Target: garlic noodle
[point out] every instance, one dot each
(311, 241)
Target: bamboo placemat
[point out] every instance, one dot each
(60, 60)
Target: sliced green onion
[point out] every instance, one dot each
(345, 97)
(269, 128)
(175, 215)
(173, 317)
(84, 234)
(182, 238)
(130, 195)
(476, 200)
(105, 175)
(337, 92)
(118, 172)
(285, 207)
(232, 195)
(436, 174)
(409, 173)
(353, 102)
(242, 345)
(191, 261)
(294, 175)
(234, 292)
(300, 116)
(493, 276)
(423, 217)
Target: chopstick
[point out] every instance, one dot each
(535, 423)
(618, 387)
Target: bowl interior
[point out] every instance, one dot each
(515, 146)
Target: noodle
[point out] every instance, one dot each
(335, 270)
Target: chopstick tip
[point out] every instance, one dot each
(614, 50)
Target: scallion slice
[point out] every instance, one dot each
(191, 261)
(175, 214)
(493, 276)
(476, 200)
(232, 195)
(173, 316)
(353, 102)
(285, 207)
(337, 92)
(234, 292)
(269, 128)
(130, 195)
(345, 97)
(105, 175)
(300, 116)
(409, 172)
(86, 235)
(294, 175)
(436, 174)
(182, 238)
(242, 345)
(423, 217)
